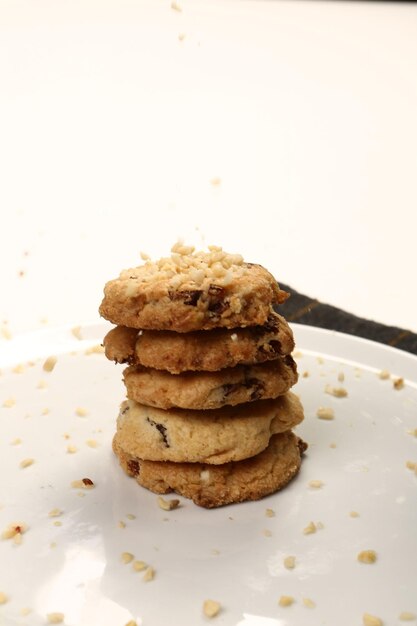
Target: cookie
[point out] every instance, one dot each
(192, 291)
(216, 485)
(215, 436)
(207, 350)
(210, 390)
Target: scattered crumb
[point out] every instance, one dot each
(337, 392)
(16, 441)
(367, 556)
(92, 443)
(406, 616)
(83, 483)
(81, 412)
(325, 413)
(333, 445)
(15, 532)
(289, 562)
(286, 601)
(81, 494)
(3, 598)
(413, 432)
(316, 484)
(181, 36)
(45, 411)
(55, 618)
(310, 529)
(216, 181)
(26, 463)
(130, 516)
(371, 620)
(149, 574)
(319, 525)
(310, 604)
(411, 465)
(167, 505)
(72, 449)
(297, 354)
(398, 383)
(121, 524)
(341, 377)
(25, 611)
(42, 384)
(176, 7)
(306, 374)
(266, 533)
(98, 349)
(76, 331)
(49, 364)
(53, 544)
(384, 375)
(57, 523)
(9, 402)
(211, 608)
(139, 566)
(55, 513)
(132, 623)
(354, 514)
(127, 557)
(18, 369)
(5, 333)
(269, 512)
(215, 552)
(144, 256)
(320, 360)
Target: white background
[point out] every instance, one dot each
(116, 116)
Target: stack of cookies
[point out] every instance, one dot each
(209, 410)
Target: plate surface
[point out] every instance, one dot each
(71, 563)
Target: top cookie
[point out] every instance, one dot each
(192, 291)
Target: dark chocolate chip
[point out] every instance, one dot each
(161, 429)
(187, 296)
(133, 467)
(125, 410)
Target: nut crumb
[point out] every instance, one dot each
(92, 443)
(289, 562)
(266, 532)
(139, 566)
(5, 333)
(55, 618)
(18, 369)
(45, 411)
(81, 412)
(49, 364)
(310, 529)
(211, 608)
(41, 384)
(269, 512)
(57, 523)
(167, 505)
(175, 7)
(384, 375)
(132, 623)
(306, 374)
(15, 532)
(9, 402)
(310, 604)
(337, 392)
(233, 337)
(3, 598)
(25, 611)
(398, 383)
(97, 349)
(367, 556)
(127, 557)
(411, 465)
(149, 574)
(341, 377)
(72, 449)
(26, 463)
(181, 36)
(144, 256)
(325, 413)
(84, 483)
(76, 331)
(333, 445)
(55, 513)
(286, 601)
(354, 514)
(121, 524)
(406, 616)
(16, 441)
(413, 432)
(130, 516)
(371, 620)
(316, 484)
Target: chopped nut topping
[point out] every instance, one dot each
(289, 562)
(139, 566)
(286, 601)
(3, 598)
(55, 513)
(310, 529)
(26, 463)
(127, 557)
(49, 364)
(406, 616)
(398, 383)
(55, 618)
(149, 574)
(316, 484)
(80, 412)
(167, 505)
(84, 483)
(211, 608)
(337, 392)
(371, 620)
(310, 604)
(325, 413)
(367, 556)
(76, 331)
(72, 449)
(9, 402)
(269, 512)
(384, 375)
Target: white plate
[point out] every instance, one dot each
(223, 554)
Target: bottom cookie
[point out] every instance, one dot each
(216, 485)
